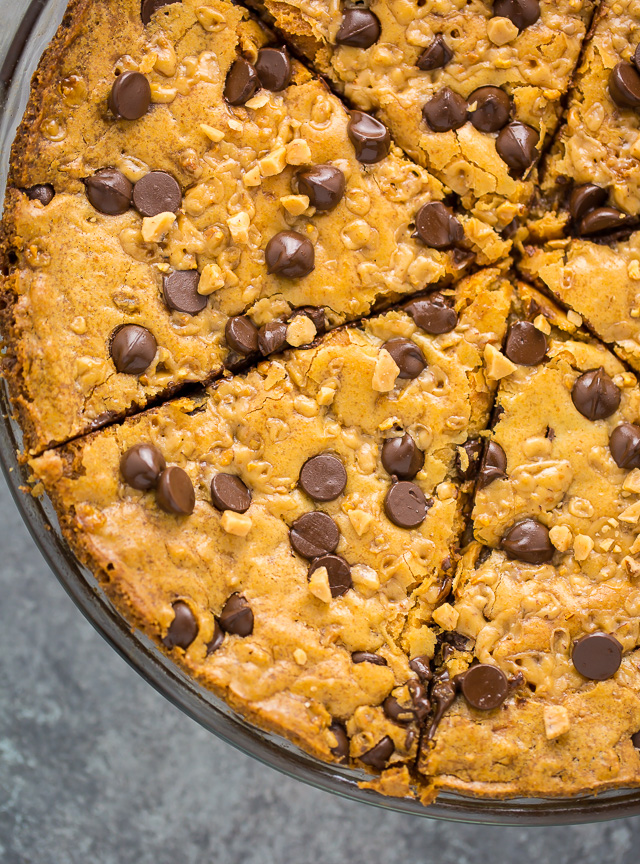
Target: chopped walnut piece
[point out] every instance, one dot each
(556, 721)
(238, 524)
(301, 331)
(385, 373)
(498, 366)
(319, 585)
(446, 616)
(155, 227)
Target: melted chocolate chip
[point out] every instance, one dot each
(473, 449)
(133, 349)
(341, 750)
(109, 191)
(624, 86)
(528, 541)
(272, 337)
(273, 67)
(401, 457)
(584, 199)
(597, 656)
(359, 28)
(175, 492)
(494, 465)
(420, 699)
(436, 55)
(42, 192)
(183, 629)
(323, 477)
(228, 492)
(432, 314)
(635, 740)
(405, 505)
(523, 13)
(484, 686)
(242, 82)
(368, 657)
(445, 111)
(526, 345)
(338, 572)
(422, 667)
(241, 334)
(370, 137)
(314, 534)
(624, 445)
(157, 192)
(130, 96)
(407, 356)
(396, 712)
(443, 694)
(150, 7)
(380, 754)
(492, 110)
(180, 290)
(218, 638)
(316, 313)
(142, 465)
(324, 186)
(595, 395)
(236, 616)
(437, 226)
(601, 219)
(517, 146)
(290, 254)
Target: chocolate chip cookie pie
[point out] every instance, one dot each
(323, 341)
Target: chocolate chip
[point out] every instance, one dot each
(584, 199)
(436, 55)
(445, 111)
(528, 541)
(132, 349)
(636, 56)
(341, 750)
(443, 694)
(314, 534)
(437, 226)
(370, 137)
(273, 67)
(595, 395)
(597, 656)
(601, 219)
(130, 96)
(241, 334)
(316, 313)
(526, 345)
(484, 686)
(149, 7)
(181, 292)
(109, 191)
(323, 477)
(368, 657)
(175, 492)
(492, 110)
(323, 185)
(142, 465)
(624, 444)
(157, 192)
(242, 82)
(635, 740)
(228, 492)
(405, 505)
(396, 712)
(407, 356)
(338, 571)
(401, 457)
(272, 337)
(42, 192)
(517, 146)
(359, 28)
(290, 254)
(432, 314)
(218, 638)
(494, 465)
(419, 698)
(380, 754)
(473, 449)
(183, 629)
(624, 86)
(236, 616)
(523, 13)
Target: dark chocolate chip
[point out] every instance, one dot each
(242, 82)
(595, 395)
(635, 740)
(493, 107)
(338, 571)
(316, 313)
(473, 449)
(401, 457)
(494, 465)
(218, 638)
(42, 192)
(133, 349)
(624, 86)
(228, 492)
(405, 505)
(584, 199)
(445, 111)
(597, 656)
(528, 541)
(142, 465)
(236, 616)
(517, 146)
(368, 657)
(149, 7)
(175, 492)
(437, 226)
(601, 219)
(130, 96)
(272, 337)
(157, 192)
(436, 55)
(432, 314)
(183, 629)
(181, 292)
(290, 254)
(341, 750)
(484, 686)
(314, 534)
(323, 477)
(419, 698)
(370, 137)
(379, 754)
(323, 185)
(359, 28)
(443, 694)
(396, 712)
(636, 56)
(523, 13)
(526, 345)
(624, 444)
(274, 68)
(241, 334)
(407, 356)
(109, 191)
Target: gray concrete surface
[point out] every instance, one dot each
(97, 768)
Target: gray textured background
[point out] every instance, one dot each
(97, 768)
